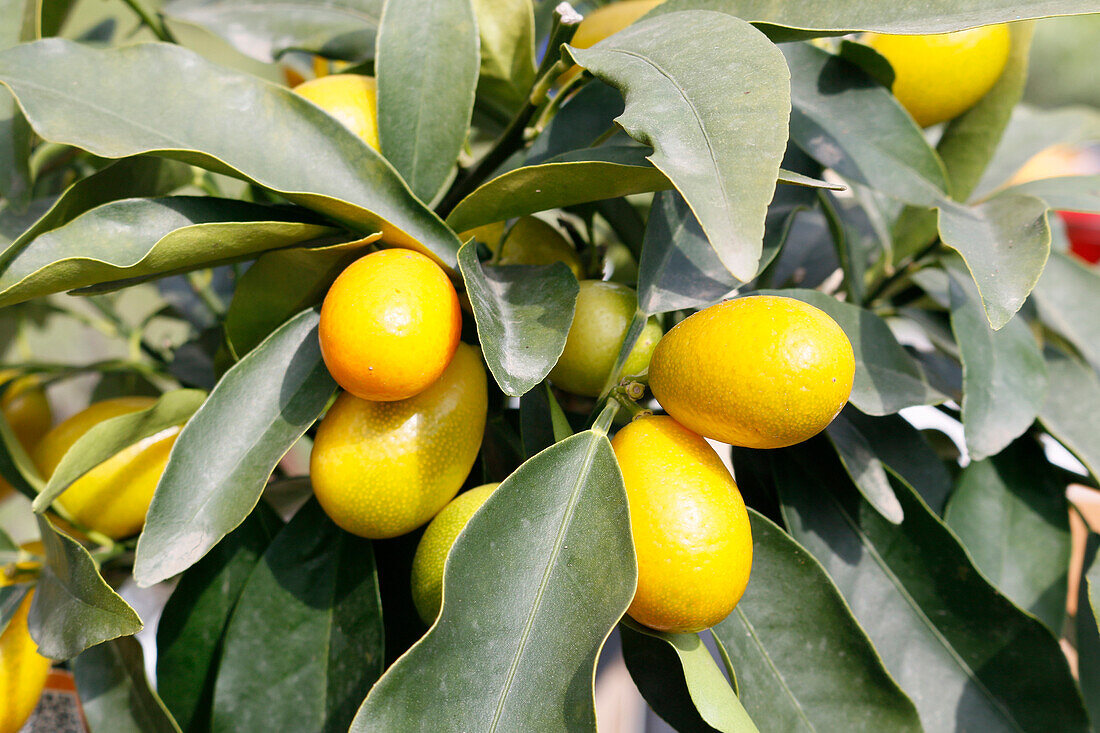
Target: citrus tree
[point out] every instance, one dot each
(498, 252)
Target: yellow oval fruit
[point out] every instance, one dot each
(113, 497)
(759, 372)
(531, 241)
(23, 671)
(603, 22)
(938, 77)
(389, 325)
(690, 526)
(350, 98)
(27, 411)
(600, 322)
(381, 469)
(434, 546)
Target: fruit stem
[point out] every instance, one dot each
(623, 395)
(633, 333)
(607, 415)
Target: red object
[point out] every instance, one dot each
(1084, 234)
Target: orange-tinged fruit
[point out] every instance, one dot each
(23, 670)
(113, 497)
(690, 526)
(762, 371)
(938, 77)
(606, 21)
(381, 469)
(600, 322)
(435, 544)
(27, 411)
(389, 325)
(350, 98)
(530, 241)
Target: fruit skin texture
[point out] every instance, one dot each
(938, 77)
(350, 98)
(27, 411)
(113, 497)
(690, 526)
(531, 241)
(389, 325)
(435, 544)
(600, 322)
(762, 371)
(23, 671)
(382, 469)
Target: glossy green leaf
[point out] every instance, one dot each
(280, 284)
(507, 32)
(1069, 193)
(864, 467)
(849, 122)
(427, 69)
(222, 459)
(970, 140)
(1004, 379)
(292, 148)
(139, 238)
(11, 597)
(73, 607)
(108, 437)
(114, 692)
(315, 590)
(906, 454)
(715, 114)
(1004, 242)
(576, 177)
(803, 662)
(1009, 502)
(191, 629)
(887, 378)
(1072, 409)
(335, 29)
(844, 16)
(523, 314)
(1088, 635)
(681, 681)
(527, 605)
(966, 656)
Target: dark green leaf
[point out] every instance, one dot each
(224, 456)
(863, 466)
(192, 627)
(1072, 409)
(967, 657)
(139, 238)
(427, 68)
(73, 607)
(887, 378)
(15, 133)
(314, 593)
(541, 420)
(280, 284)
(11, 597)
(1004, 379)
(526, 605)
(270, 136)
(1010, 502)
(507, 31)
(852, 124)
(581, 122)
(679, 679)
(715, 114)
(803, 662)
(1088, 635)
(335, 29)
(523, 315)
(114, 692)
(107, 438)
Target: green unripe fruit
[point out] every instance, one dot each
(531, 241)
(603, 315)
(435, 544)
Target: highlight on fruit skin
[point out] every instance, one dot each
(382, 469)
(938, 77)
(761, 371)
(350, 98)
(390, 324)
(690, 526)
(113, 498)
(435, 544)
(600, 322)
